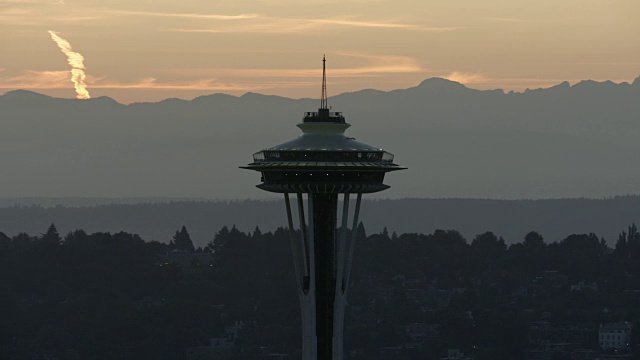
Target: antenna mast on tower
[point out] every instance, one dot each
(323, 99)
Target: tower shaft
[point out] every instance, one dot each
(322, 260)
(324, 233)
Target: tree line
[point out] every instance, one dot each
(109, 295)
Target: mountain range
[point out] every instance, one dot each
(576, 140)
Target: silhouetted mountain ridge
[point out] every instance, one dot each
(21, 94)
(434, 84)
(563, 141)
(440, 84)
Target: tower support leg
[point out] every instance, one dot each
(324, 231)
(302, 249)
(322, 262)
(342, 280)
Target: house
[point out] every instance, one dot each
(187, 260)
(615, 335)
(456, 354)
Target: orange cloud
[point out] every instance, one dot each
(466, 78)
(316, 2)
(152, 83)
(37, 80)
(268, 21)
(235, 80)
(185, 15)
(507, 19)
(381, 24)
(277, 25)
(59, 79)
(43, 14)
(375, 65)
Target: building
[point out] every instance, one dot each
(456, 354)
(186, 260)
(615, 335)
(323, 163)
(220, 348)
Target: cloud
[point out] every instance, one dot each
(466, 78)
(25, 2)
(185, 15)
(298, 27)
(76, 61)
(507, 19)
(378, 24)
(37, 16)
(373, 65)
(365, 65)
(260, 23)
(280, 25)
(151, 83)
(58, 80)
(316, 2)
(37, 80)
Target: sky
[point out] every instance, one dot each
(149, 50)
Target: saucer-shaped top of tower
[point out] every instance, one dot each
(323, 159)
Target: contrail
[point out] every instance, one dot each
(76, 61)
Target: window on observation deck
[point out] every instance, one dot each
(259, 156)
(333, 117)
(323, 156)
(387, 157)
(288, 177)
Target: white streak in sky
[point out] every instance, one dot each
(76, 61)
(187, 15)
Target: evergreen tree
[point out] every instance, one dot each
(5, 241)
(489, 244)
(76, 236)
(257, 233)
(385, 233)
(633, 240)
(362, 232)
(182, 241)
(51, 236)
(622, 246)
(219, 241)
(533, 241)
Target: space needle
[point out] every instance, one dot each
(322, 163)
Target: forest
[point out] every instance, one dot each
(116, 296)
(157, 219)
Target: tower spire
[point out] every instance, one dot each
(323, 99)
